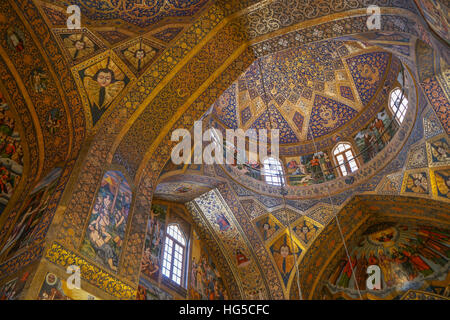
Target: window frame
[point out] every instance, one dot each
(185, 248)
(346, 161)
(402, 109)
(274, 179)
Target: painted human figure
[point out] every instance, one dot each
(15, 41)
(242, 260)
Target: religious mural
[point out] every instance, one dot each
(407, 256)
(149, 291)
(309, 169)
(138, 54)
(11, 154)
(205, 281)
(55, 288)
(107, 225)
(30, 216)
(154, 240)
(375, 136)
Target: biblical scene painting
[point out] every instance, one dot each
(148, 291)
(310, 169)
(107, 225)
(103, 82)
(205, 281)
(55, 288)
(407, 256)
(11, 154)
(375, 136)
(285, 253)
(154, 241)
(30, 216)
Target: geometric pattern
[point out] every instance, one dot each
(431, 125)
(139, 13)
(417, 158)
(225, 107)
(368, 72)
(327, 115)
(113, 36)
(167, 34)
(300, 82)
(438, 101)
(273, 119)
(346, 92)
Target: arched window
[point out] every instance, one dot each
(345, 158)
(174, 255)
(398, 104)
(273, 172)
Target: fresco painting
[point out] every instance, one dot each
(107, 224)
(12, 289)
(149, 291)
(285, 253)
(103, 82)
(267, 227)
(55, 288)
(310, 169)
(375, 136)
(407, 255)
(11, 154)
(154, 240)
(205, 281)
(31, 215)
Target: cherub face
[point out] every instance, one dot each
(104, 79)
(284, 251)
(140, 54)
(80, 45)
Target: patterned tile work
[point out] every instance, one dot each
(346, 92)
(417, 157)
(368, 71)
(137, 13)
(167, 34)
(56, 17)
(274, 119)
(113, 36)
(225, 107)
(328, 115)
(438, 100)
(431, 125)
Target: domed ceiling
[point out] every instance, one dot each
(309, 91)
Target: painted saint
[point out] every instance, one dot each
(14, 38)
(39, 80)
